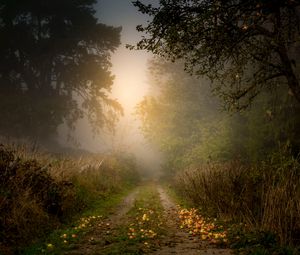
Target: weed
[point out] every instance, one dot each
(264, 196)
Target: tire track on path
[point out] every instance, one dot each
(100, 235)
(179, 242)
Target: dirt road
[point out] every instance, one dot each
(105, 237)
(179, 241)
(100, 236)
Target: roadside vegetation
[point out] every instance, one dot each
(229, 130)
(40, 193)
(223, 110)
(242, 168)
(258, 204)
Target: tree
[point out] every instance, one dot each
(242, 45)
(182, 118)
(175, 111)
(54, 67)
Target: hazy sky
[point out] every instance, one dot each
(130, 84)
(129, 66)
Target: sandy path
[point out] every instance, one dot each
(100, 235)
(178, 241)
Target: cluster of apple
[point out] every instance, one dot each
(198, 226)
(69, 236)
(141, 233)
(89, 221)
(65, 237)
(144, 226)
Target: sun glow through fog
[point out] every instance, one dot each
(130, 84)
(129, 87)
(129, 67)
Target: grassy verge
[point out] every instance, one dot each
(258, 205)
(143, 228)
(241, 237)
(66, 238)
(176, 197)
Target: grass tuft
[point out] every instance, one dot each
(264, 196)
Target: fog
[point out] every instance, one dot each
(126, 138)
(159, 118)
(128, 101)
(131, 84)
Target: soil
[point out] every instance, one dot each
(176, 241)
(101, 234)
(179, 242)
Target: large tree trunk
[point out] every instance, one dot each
(288, 71)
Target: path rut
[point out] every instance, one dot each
(100, 235)
(176, 241)
(179, 242)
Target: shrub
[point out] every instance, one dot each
(39, 192)
(27, 193)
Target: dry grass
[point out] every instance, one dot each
(26, 215)
(39, 191)
(266, 196)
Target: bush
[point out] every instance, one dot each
(31, 200)
(38, 192)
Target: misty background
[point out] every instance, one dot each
(130, 85)
(147, 106)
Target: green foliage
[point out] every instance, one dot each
(183, 119)
(229, 165)
(243, 46)
(203, 143)
(271, 122)
(173, 116)
(54, 67)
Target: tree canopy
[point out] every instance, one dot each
(242, 45)
(182, 118)
(54, 67)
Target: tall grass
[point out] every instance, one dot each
(38, 192)
(266, 195)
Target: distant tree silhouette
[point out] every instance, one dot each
(54, 67)
(242, 45)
